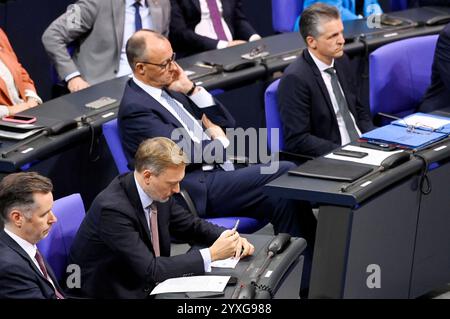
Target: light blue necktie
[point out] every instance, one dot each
(191, 124)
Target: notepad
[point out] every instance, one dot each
(332, 169)
(426, 122)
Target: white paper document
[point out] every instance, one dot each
(425, 121)
(225, 263)
(375, 157)
(192, 284)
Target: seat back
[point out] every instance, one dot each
(273, 121)
(55, 247)
(111, 133)
(285, 13)
(400, 73)
(397, 5)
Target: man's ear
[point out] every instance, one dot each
(16, 217)
(147, 174)
(311, 42)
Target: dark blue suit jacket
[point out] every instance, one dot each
(186, 14)
(438, 94)
(141, 117)
(309, 123)
(19, 276)
(114, 250)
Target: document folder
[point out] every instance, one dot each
(426, 122)
(332, 169)
(403, 136)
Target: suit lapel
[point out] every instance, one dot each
(156, 14)
(319, 80)
(15, 246)
(129, 186)
(118, 14)
(196, 4)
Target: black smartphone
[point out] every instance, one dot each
(350, 153)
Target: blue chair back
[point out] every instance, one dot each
(55, 247)
(400, 73)
(397, 5)
(285, 13)
(273, 121)
(111, 133)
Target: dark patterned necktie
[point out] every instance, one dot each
(137, 16)
(342, 104)
(41, 264)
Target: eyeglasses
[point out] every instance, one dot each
(257, 50)
(163, 66)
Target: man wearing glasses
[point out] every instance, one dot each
(160, 101)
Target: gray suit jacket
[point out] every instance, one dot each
(97, 27)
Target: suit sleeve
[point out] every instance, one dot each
(189, 228)
(184, 37)
(294, 98)
(26, 79)
(242, 28)
(443, 57)
(64, 31)
(120, 235)
(142, 124)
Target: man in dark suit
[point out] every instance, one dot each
(123, 244)
(319, 110)
(201, 25)
(438, 93)
(26, 202)
(161, 101)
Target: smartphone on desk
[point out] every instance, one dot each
(22, 119)
(348, 153)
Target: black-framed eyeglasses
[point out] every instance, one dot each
(164, 65)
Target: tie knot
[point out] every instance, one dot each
(331, 71)
(153, 208)
(137, 4)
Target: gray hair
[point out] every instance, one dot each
(314, 16)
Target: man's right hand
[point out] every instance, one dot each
(212, 129)
(76, 84)
(225, 246)
(235, 42)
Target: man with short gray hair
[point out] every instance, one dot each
(123, 244)
(26, 203)
(319, 109)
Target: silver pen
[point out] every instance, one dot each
(236, 226)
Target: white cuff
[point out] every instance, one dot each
(202, 98)
(4, 110)
(71, 76)
(206, 255)
(254, 37)
(222, 44)
(32, 94)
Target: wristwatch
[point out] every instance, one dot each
(191, 91)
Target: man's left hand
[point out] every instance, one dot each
(244, 248)
(181, 82)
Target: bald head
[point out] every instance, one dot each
(143, 45)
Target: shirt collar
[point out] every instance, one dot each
(154, 92)
(322, 66)
(29, 248)
(130, 3)
(146, 200)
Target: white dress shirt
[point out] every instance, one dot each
(30, 249)
(146, 201)
(345, 138)
(206, 27)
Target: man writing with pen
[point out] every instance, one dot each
(123, 244)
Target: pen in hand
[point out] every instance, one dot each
(235, 226)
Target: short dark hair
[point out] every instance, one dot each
(137, 46)
(16, 190)
(313, 16)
